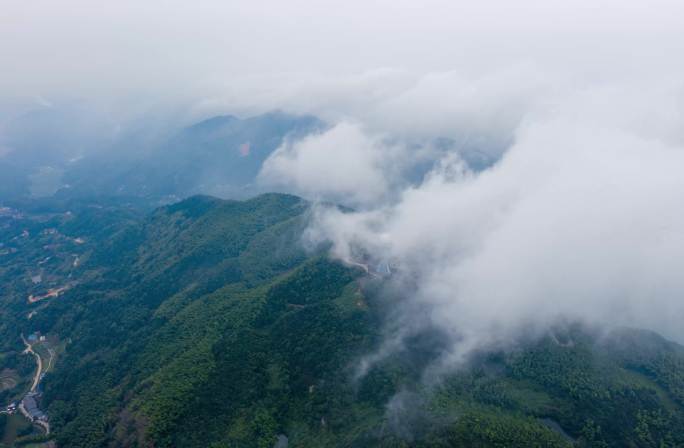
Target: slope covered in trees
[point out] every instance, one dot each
(206, 323)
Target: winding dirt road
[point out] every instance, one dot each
(39, 361)
(36, 380)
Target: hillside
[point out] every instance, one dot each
(221, 155)
(206, 323)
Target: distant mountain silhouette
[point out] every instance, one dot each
(221, 155)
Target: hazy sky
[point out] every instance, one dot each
(318, 55)
(582, 217)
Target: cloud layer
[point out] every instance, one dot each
(581, 219)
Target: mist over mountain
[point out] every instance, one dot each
(220, 156)
(392, 224)
(207, 323)
(224, 156)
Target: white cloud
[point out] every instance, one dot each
(341, 164)
(581, 219)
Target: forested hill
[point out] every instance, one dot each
(206, 324)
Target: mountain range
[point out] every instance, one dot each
(206, 323)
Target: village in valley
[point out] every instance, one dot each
(24, 417)
(49, 262)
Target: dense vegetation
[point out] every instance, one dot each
(206, 324)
